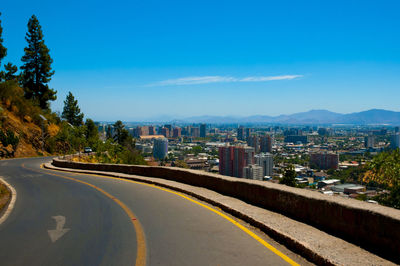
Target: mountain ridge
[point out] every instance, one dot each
(320, 116)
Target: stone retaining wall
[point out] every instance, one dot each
(374, 227)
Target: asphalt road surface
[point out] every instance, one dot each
(63, 218)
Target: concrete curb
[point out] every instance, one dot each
(11, 204)
(313, 244)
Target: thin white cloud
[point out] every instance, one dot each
(260, 79)
(219, 79)
(196, 80)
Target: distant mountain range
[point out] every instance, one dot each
(370, 117)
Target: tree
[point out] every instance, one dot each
(121, 135)
(91, 133)
(36, 71)
(72, 112)
(109, 132)
(3, 50)
(10, 71)
(289, 177)
(384, 171)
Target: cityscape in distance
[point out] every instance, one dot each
(232, 133)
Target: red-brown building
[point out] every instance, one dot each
(324, 160)
(232, 159)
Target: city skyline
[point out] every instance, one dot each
(156, 59)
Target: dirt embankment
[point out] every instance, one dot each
(5, 196)
(29, 136)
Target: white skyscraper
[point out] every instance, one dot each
(266, 161)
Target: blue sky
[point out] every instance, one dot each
(134, 60)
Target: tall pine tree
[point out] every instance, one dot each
(72, 112)
(36, 71)
(3, 50)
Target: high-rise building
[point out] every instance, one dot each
(254, 141)
(203, 128)
(195, 132)
(241, 133)
(323, 131)
(152, 130)
(165, 132)
(253, 171)
(296, 139)
(187, 131)
(140, 131)
(266, 143)
(397, 130)
(293, 132)
(324, 160)
(232, 159)
(395, 141)
(369, 141)
(160, 148)
(169, 127)
(177, 132)
(266, 161)
(248, 132)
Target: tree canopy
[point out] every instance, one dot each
(11, 69)
(289, 176)
(121, 135)
(36, 71)
(384, 169)
(72, 112)
(3, 50)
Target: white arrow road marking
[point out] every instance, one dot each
(59, 231)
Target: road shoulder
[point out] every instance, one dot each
(315, 245)
(7, 200)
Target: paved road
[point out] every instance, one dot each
(59, 221)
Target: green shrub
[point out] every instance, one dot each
(9, 138)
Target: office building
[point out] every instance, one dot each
(241, 133)
(152, 130)
(395, 141)
(324, 160)
(165, 132)
(195, 132)
(186, 131)
(293, 132)
(160, 148)
(296, 139)
(266, 143)
(266, 161)
(253, 171)
(140, 131)
(254, 141)
(323, 131)
(232, 159)
(177, 132)
(203, 132)
(169, 127)
(369, 142)
(248, 132)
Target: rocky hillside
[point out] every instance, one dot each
(19, 137)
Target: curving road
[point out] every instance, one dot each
(71, 219)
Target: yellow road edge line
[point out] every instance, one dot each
(141, 242)
(253, 235)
